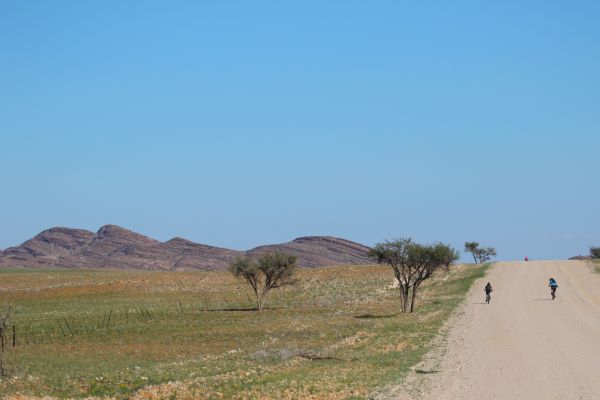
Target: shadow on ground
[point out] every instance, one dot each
(234, 309)
(424, 372)
(371, 316)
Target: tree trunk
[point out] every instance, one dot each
(258, 300)
(400, 289)
(403, 297)
(412, 302)
(263, 299)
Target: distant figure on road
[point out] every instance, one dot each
(488, 292)
(526, 258)
(553, 285)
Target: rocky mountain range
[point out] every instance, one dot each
(116, 247)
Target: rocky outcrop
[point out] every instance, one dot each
(53, 242)
(116, 247)
(185, 255)
(49, 248)
(316, 251)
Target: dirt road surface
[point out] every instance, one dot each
(523, 345)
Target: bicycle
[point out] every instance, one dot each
(488, 297)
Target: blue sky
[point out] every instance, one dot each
(243, 123)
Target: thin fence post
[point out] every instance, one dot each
(109, 315)
(68, 326)
(61, 327)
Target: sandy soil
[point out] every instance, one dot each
(522, 345)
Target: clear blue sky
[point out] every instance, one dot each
(243, 123)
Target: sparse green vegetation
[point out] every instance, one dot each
(595, 265)
(595, 253)
(271, 271)
(336, 334)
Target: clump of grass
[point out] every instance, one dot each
(595, 264)
(337, 334)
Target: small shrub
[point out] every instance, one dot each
(272, 270)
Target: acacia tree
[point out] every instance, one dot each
(485, 254)
(480, 254)
(412, 263)
(272, 270)
(427, 259)
(595, 252)
(472, 247)
(395, 254)
(447, 254)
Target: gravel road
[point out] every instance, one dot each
(523, 345)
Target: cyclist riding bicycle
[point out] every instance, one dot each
(488, 290)
(553, 285)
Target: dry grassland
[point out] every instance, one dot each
(336, 334)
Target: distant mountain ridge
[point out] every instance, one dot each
(580, 257)
(116, 247)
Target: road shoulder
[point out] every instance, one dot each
(423, 379)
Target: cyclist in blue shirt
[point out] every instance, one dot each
(553, 285)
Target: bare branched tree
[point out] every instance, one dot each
(485, 254)
(480, 254)
(472, 247)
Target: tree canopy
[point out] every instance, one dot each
(270, 271)
(412, 263)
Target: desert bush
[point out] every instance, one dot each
(448, 255)
(595, 253)
(272, 270)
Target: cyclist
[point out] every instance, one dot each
(488, 290)
(553, 285)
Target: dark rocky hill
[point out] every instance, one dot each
(580, 257)
(116, 247)
(316, 251)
